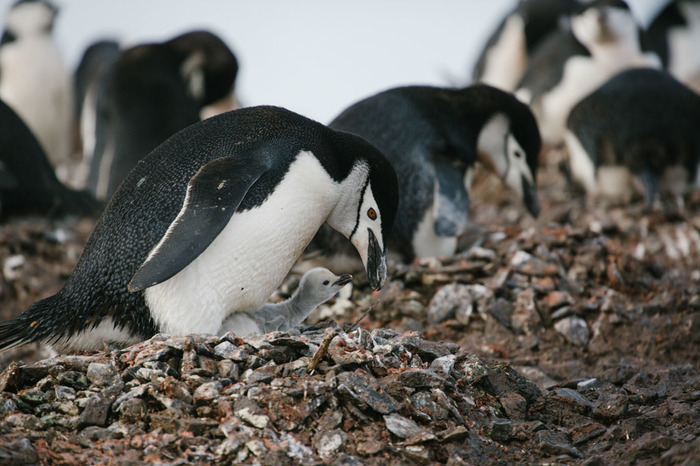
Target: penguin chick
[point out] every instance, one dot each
(603, 40)
(33, 78)
(433, 137)
(31, 186)
(674, 35)
(210, 223)
(643, 122)
(317, 286)
(151, 91)
(504, 59)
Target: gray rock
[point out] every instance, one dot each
(98, 407)
(421, 378)
(424, 403)
(206, 393)
(404, 428)
(556, 443)
(574, 396)
(103, 375)
(18, 452)
(515, 405)
(449, 301)
(328, 443)
(361, 388)
(525, 319)
(250, 412)
(575, 330)
(610, 407)
(133, 410)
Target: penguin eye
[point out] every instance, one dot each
(518, 154)
(372, 214)
(326, 282)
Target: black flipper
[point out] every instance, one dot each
(213, 195)
(451, 201)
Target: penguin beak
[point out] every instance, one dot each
(376, 263)
(343, 280)
(530, 197)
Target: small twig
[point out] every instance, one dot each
(327, 337)
(357, 322)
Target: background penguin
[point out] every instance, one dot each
(433, 137)
(642, 121)
(504, 59)
(604, 40)
(30, 185)
(317, 286)
(674, 35)
(33, 78)
(151, 92)
(210, 223)
(89, 89)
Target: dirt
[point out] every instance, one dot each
(571, 338)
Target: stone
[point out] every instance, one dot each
(402, 427)
(103, 375)
(360, 387)
(575, 330)
(206, 393)
(556, 443)
(449, 301)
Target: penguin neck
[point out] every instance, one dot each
(491, 142)
(616, 52)
(301, 303)
(344, 215)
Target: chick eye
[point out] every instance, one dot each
(326, 282)
(372, 214)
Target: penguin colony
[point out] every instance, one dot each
(208, 207)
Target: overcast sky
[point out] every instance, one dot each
(315, 57)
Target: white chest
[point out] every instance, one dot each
(684, 61)
(507, 59)
(251, 256)
(426, 243)
(37, 86)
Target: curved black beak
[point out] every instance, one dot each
(530, 197)
(343, 280)
(376, 263)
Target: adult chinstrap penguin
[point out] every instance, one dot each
(603, 40)
(150, 92)
(33, 78)
(210, 223)
(29, 182)
(433, 137)
(89, 90)
(317, 286)
(642, 122)
(504, 58)
(674, 34)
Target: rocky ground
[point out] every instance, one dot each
(573, 338)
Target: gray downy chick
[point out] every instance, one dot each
(317, 286)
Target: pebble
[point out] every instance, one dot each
(402, 427)
(451, 300)
(575, 330)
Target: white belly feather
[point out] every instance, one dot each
(251, 256)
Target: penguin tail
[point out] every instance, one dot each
(40, 323)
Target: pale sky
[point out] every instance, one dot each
(315, 57)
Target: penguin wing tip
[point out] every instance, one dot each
(132, 287)
(137, 283)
